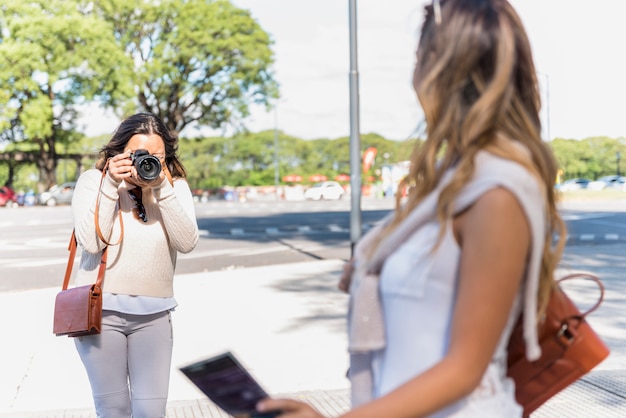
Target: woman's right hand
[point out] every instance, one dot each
(120, 167)
(346, 276)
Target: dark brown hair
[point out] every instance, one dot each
(147, 124)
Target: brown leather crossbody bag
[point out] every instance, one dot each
(570, 348)
(78, 311)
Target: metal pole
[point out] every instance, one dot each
(65, 163)
(355, 141)
(548, 106)
(549, 137)
(276, 174)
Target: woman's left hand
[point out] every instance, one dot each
(289, 408)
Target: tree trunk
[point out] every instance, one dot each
(11, 175)
(47, 164)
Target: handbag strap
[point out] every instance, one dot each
(591, 277)
(96, 216)
(73, 243)
(70, 263)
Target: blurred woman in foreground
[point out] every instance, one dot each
(436, 290)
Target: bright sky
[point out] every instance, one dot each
(578, 47)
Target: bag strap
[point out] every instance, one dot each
(587, 276)
(73, 243)
(167, 172)
(96, 216)
(70, 263)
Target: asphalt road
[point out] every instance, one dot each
(33, 240)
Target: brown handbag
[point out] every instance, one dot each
(569, 349)
(78, 311)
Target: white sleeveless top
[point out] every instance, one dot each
(417, 290)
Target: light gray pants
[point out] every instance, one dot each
(135, 351)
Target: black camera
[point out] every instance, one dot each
(148, 166)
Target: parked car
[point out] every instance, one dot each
(327, 190)
(8, 197)
(27, 198)
(574, 184)
(606, 182)
(619, 184)
(58, 195)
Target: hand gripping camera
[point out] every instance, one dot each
(148, 166)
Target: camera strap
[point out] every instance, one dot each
(167, 172)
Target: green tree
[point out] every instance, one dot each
(590, 157)
(203, 162)
(336, 153)
(249, 158)
(332, 157)
(196, 62)
(54, 57)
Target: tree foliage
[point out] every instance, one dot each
(251, 158)
(196, 62)
(589, 158)
(53, 57)
(191, 62)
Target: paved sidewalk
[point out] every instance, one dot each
(286, 323)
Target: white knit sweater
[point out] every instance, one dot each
(143, 264)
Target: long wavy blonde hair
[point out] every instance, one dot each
(476, 81)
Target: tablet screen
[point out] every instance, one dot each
(228, 384)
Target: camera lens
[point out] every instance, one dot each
(148, 167)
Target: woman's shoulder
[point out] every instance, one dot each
(493, 171)
(89, 177)
(90, 173)
(501, 170)
(505, 156)
(179, 180)
(180, 183)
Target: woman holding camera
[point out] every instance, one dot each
(137, 195)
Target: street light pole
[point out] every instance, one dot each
(276, 173)
(548, 107)
(549, 137)
(355, 146)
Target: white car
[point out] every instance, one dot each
(606, 182)
(327, 190)
(574, 184)
(58, 195)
